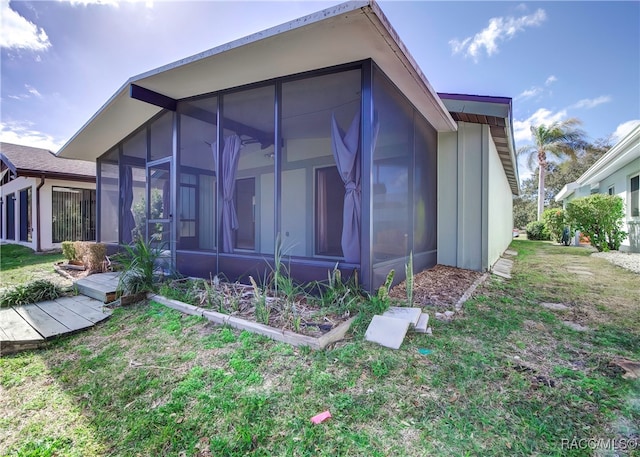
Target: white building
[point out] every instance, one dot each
(45, 199)
(615, 173)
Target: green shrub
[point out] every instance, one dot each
(554, 222)
(536, 230)
(598, 217)
(68, 250)
(33, 292)
(138, 262)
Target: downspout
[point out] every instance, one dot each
(38, 241)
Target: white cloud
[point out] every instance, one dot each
(33, 91)
(19, 33)
(623, 129)
(589, 103)
(30, 92)
(529, 93)
(113, 3)
(522, 129)
(24, 133)
(499, 29)
(534, 91)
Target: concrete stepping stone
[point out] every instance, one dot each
(408, 314)
(510, 252)
(555, 306)
(387, 331)
(575, 326)
(503, 268)
(423, 323)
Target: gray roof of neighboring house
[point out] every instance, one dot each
(29, 161)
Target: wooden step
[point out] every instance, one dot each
(99, 286)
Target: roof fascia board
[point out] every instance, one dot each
(623, 152)
(258, 36)
(384, 27)
(8, 163)
(566, 191)
(55, 175)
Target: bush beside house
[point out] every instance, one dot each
(600, 218)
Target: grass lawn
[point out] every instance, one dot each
(19, 265)
(507, 378)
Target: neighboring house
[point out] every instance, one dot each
(615, 173)
(322, 133)
(45, 199)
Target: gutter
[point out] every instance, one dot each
(38, 237)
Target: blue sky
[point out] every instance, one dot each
(62, 60)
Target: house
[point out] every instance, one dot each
(321, 136)
(45, 199)
(615, 173)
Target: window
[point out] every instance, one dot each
(612, 190)
(634, 203)
(197, 192)
(248, 127)
(11, 225)
(329, 211)
(73, 214)
(392, 162)
(25, 215)
(109, 194)
(315, 112)
(161, 137)
(245, 200)
(187, 205)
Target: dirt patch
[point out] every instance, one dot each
(439, 287)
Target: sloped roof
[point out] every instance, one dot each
(345, 33)
(621, 154)
(28, 161)
(496, 113)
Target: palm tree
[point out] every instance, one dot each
(560, 139)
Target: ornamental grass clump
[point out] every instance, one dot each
(33, 292)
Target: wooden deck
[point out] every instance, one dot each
(101, 286)
(30, 326)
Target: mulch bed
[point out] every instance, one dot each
(439, 287)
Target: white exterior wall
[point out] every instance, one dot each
(448, 198)
(15, 187)
(46, 209)
(463, 197)
(620, 180)
(22, 183)
(500, 202)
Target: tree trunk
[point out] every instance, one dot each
(541, 193)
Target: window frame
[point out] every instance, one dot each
(637, 197)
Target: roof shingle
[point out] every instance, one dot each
(29, 159)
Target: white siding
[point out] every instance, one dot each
(500, 203)
(21, 183)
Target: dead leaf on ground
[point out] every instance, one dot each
(631, 368)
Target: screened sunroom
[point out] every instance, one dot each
(334, 166)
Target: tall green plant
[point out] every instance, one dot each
(560, 139)
(408, 269)
(139, 261)
(554, 222)
(600, 218)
